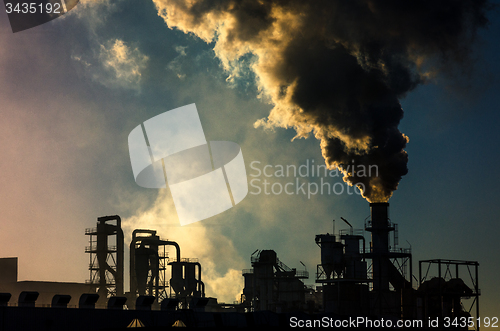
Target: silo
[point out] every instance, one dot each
(331, 254)
(177, 279)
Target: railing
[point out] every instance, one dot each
(97, 282)
(91, 249)
(185, 259)
(95, 266)
(400, 250)
(368, 224)
(246, 271)
(395, 250)
(352, 232)
(90, 230)
(283, 266)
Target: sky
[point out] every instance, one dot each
(72, 90)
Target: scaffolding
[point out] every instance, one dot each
(106, 256)
(444, 289)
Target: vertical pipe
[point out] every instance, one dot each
(411, 272)
(477, 295)
(380, 242)
(132, 275)
(120, 266)
(200, 283)
(419, 273)
(102, 253)
(440, 289)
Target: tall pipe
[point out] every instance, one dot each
(202, 285)
(380, 229)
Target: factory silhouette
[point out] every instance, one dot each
(358, 277)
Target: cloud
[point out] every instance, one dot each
(337, 70)
(124, 62)
(176, 64)
(116, 65)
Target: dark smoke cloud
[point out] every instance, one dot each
(337, 69)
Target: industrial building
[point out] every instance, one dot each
(271, 285)
(46, 290)
(357, 277)
(378, 280)
(148, 267)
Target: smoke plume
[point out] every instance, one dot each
(337, 69)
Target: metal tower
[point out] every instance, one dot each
(106, 256)
(389, 263)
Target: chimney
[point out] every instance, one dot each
(379, 227)
(379, 212)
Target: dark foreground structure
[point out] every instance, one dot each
(84, 319)
(361, 284)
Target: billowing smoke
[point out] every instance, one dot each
(337, 69)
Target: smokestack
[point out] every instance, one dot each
(379, 226)
(379, 214)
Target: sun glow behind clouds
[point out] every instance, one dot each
(124, 62)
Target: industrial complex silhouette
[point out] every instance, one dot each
(355, 279)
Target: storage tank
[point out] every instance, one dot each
(331, 254)
(177, 279)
